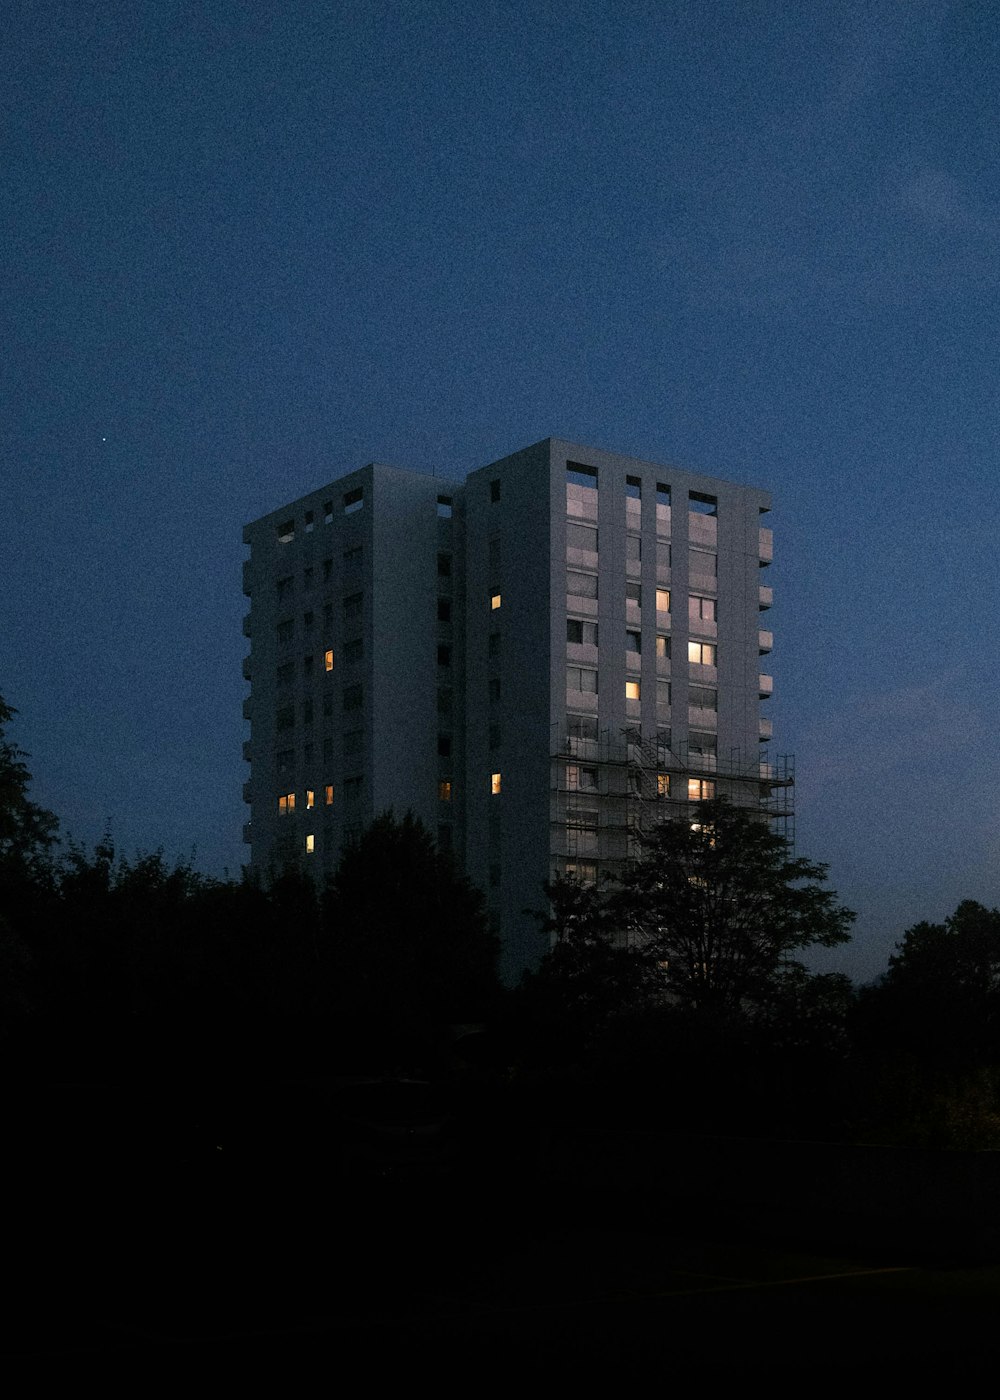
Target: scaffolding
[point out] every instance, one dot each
(608, 792)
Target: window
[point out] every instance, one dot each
(353, 556)
(494, 875)
(307, 621)
(581, 678)
(328, 795)
(327, 616)
(444, 790)
(352, 607)
(354, 500)
(663, 558)
(285, 718)
(327, 512)
(354, 740)
(703, 746)
(327, 706)
(444, 610)
(581, 726)
(702, 609)
(662, 694)
(309, 522)
(308, 577)
(581, 633)
(444, 566)
(700, 504)
(581, 537)
(444, 507)
(494, 492)
(307, 666)
(633, 641)
(444, 700)
(633, 549)
(633, 594)
(285, 760)
(495, 784)
(703, 564)
(579, 475)
(701, 789)
(581, 585)
(701, 698)
(352, 791)
(285, 673)
(444, 746)
(662, 495)
(328, 659)
(285, 587)
(701, 653)
(307, 712)
(327, 746)
(663, 600)
(286, 804)
(352, 697)
(663, 784)
(494, 600)
(632, 690)
(633, 488)
(286, 532)
(494, 644)
(286, 632)
(444, 654)
(494, 736)
(494, 690)
(663, 647)
(354, 650)
(583, 870)
(310, 844)
(307, 754)
(310, 799)
(580, 778)
(327, 570)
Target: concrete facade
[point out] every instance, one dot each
(537, 663)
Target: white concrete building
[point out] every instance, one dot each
(536, 662)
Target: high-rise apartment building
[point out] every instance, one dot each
(537, 662)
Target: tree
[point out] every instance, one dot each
(27, 831)
(721, 906)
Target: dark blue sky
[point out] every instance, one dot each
(249, 247)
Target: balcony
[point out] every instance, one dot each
(246, 578)
(247, 751)
(765, 597)
(766, 687)
(246, 792)
(246, 625)
(247, 708)
(765, 641)
(765, 552)
(766, 730)
(246, 668)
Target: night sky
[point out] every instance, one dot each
(250, 247)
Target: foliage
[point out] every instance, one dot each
(27, 831)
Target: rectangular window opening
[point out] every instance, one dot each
(633, 488)
(700, 504)
(354, 500)
(579, 475)
(444, 507)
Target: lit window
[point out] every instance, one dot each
(495, 784)
(494, 601)
(444, 507)
(286, 804)
(701, 653)
(663, 647)
(663, 784)
(663, 600)
(444, 790)
(310, 799)
(354, 500)
(328, 794)
(328, 659)
(700, 789)
(631, 690)
(310, 844)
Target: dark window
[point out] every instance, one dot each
(581, 633)
(327, 512)
(352, 697)
(444, 655)
(444, 700)
(285, 587)
(633, 641)
(354, 650)
(286, 631)
(307, 620)
(494, 644)
(285, 760)
(286, 532)
(581, 537)
(307, 712)
(579, 475)
(327, 570)
(285, 718)
(701, 504)
(581, 726)
(444, 746)
(327, 706)
(444, 610)
(494, 491)
(309, 521)
(307, 666)
(352, 607)
(494, 736)
(633, 594)
(581, 585)
(444, 507)
(354, 500)
(494, 689)
(444, 566)
(633, 488)
(286, 673)
(701, 698)
(354, 740)
(353, 556)
(444, 837)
